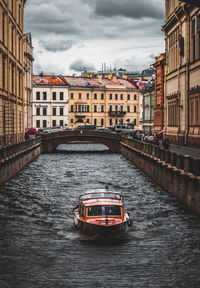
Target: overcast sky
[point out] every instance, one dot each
(72, 34)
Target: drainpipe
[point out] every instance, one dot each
(187, 81)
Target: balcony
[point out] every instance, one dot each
(117, 113)
(80, 113)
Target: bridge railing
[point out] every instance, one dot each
(72, 133)
(183, 162)
(11, 150)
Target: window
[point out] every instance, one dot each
(54, 123)
(116, 121)
(95, 107)
(61, 111)
(121, 96)
(37, 123)
(110, 96)
(135, 108)
(193, 39)
(102, 122)
(95, 96)
(72, 95)
(128, 108)
(13, 78)
(199, 45)
(79, 108)
(44, 123)
(54, 96)
(79, 95)
(61, 96)
(44, 112)
(95, 122)
(135, 96)
(102, 108)
(4, 73)
(198, 22)
(61, 123)
(110, 108)
(116, 96)
(121, 108)
(128, 96)
(72, 108)
(3, 27)
(194, 47)
(88, 121)
(193, 26)
(116, 108)
(37, 95)
(44, 95)
(111, 122)
(102, 96)
(38, 111)
(54, 111)
(88, 108)
(88, 96)
(135, 122)
(72, 120)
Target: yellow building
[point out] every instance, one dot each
(11, 71)
(102, 101)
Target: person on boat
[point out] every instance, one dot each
(106, 188)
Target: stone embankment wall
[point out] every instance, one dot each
(15, 157)
(177, 174)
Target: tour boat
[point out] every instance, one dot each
(101, 212)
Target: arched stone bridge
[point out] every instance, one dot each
(50, 141)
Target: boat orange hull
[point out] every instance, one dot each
(94, 229)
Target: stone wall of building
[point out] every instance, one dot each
(15, 157)
(177, 174)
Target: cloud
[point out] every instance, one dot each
(79, 65)
(69, 35)
(135, 9)
(55, 45)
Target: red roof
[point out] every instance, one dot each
(48, 80)
(102, 202)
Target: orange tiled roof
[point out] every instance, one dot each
(94, 83)
(81, 82)
(48, 80)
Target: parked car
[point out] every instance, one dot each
(55, 129)
(125, 129)
(111, 128)
(31, 131)
(85, 127)
(103, 129)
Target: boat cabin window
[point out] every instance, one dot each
(102, 195)
(103, 211)
(82, 211)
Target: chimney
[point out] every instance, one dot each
(100, 79)
(114, 79)
(74, 75)
(125, 77)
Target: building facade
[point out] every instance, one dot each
(11, 71)
(159, 92)
(182, 89)
(50, 101)
(102, 101)
(148, 107)
(28, 70)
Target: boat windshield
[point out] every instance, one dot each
(103, 211)
(101, 195)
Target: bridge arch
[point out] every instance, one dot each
(51, 141)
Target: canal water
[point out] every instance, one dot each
(40, 247)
